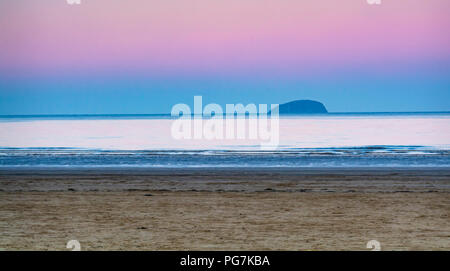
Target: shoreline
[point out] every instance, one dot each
(226, 170)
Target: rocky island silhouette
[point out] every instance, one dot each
(302, 107)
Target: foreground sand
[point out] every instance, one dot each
(225, 209)
(186, 220)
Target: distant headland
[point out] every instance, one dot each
(302, 107)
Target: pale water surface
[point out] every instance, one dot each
(336, 140)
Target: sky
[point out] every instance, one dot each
(144, 56)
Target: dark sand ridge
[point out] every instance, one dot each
(227, 179)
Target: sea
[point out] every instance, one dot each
(335, 140)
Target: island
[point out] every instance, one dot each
(302, 107)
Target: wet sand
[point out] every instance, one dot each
(225, 210)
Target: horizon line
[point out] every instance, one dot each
(168, 114)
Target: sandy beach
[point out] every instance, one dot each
(224, 210)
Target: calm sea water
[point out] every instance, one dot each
(120, 141)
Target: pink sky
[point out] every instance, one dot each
(179, 36)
